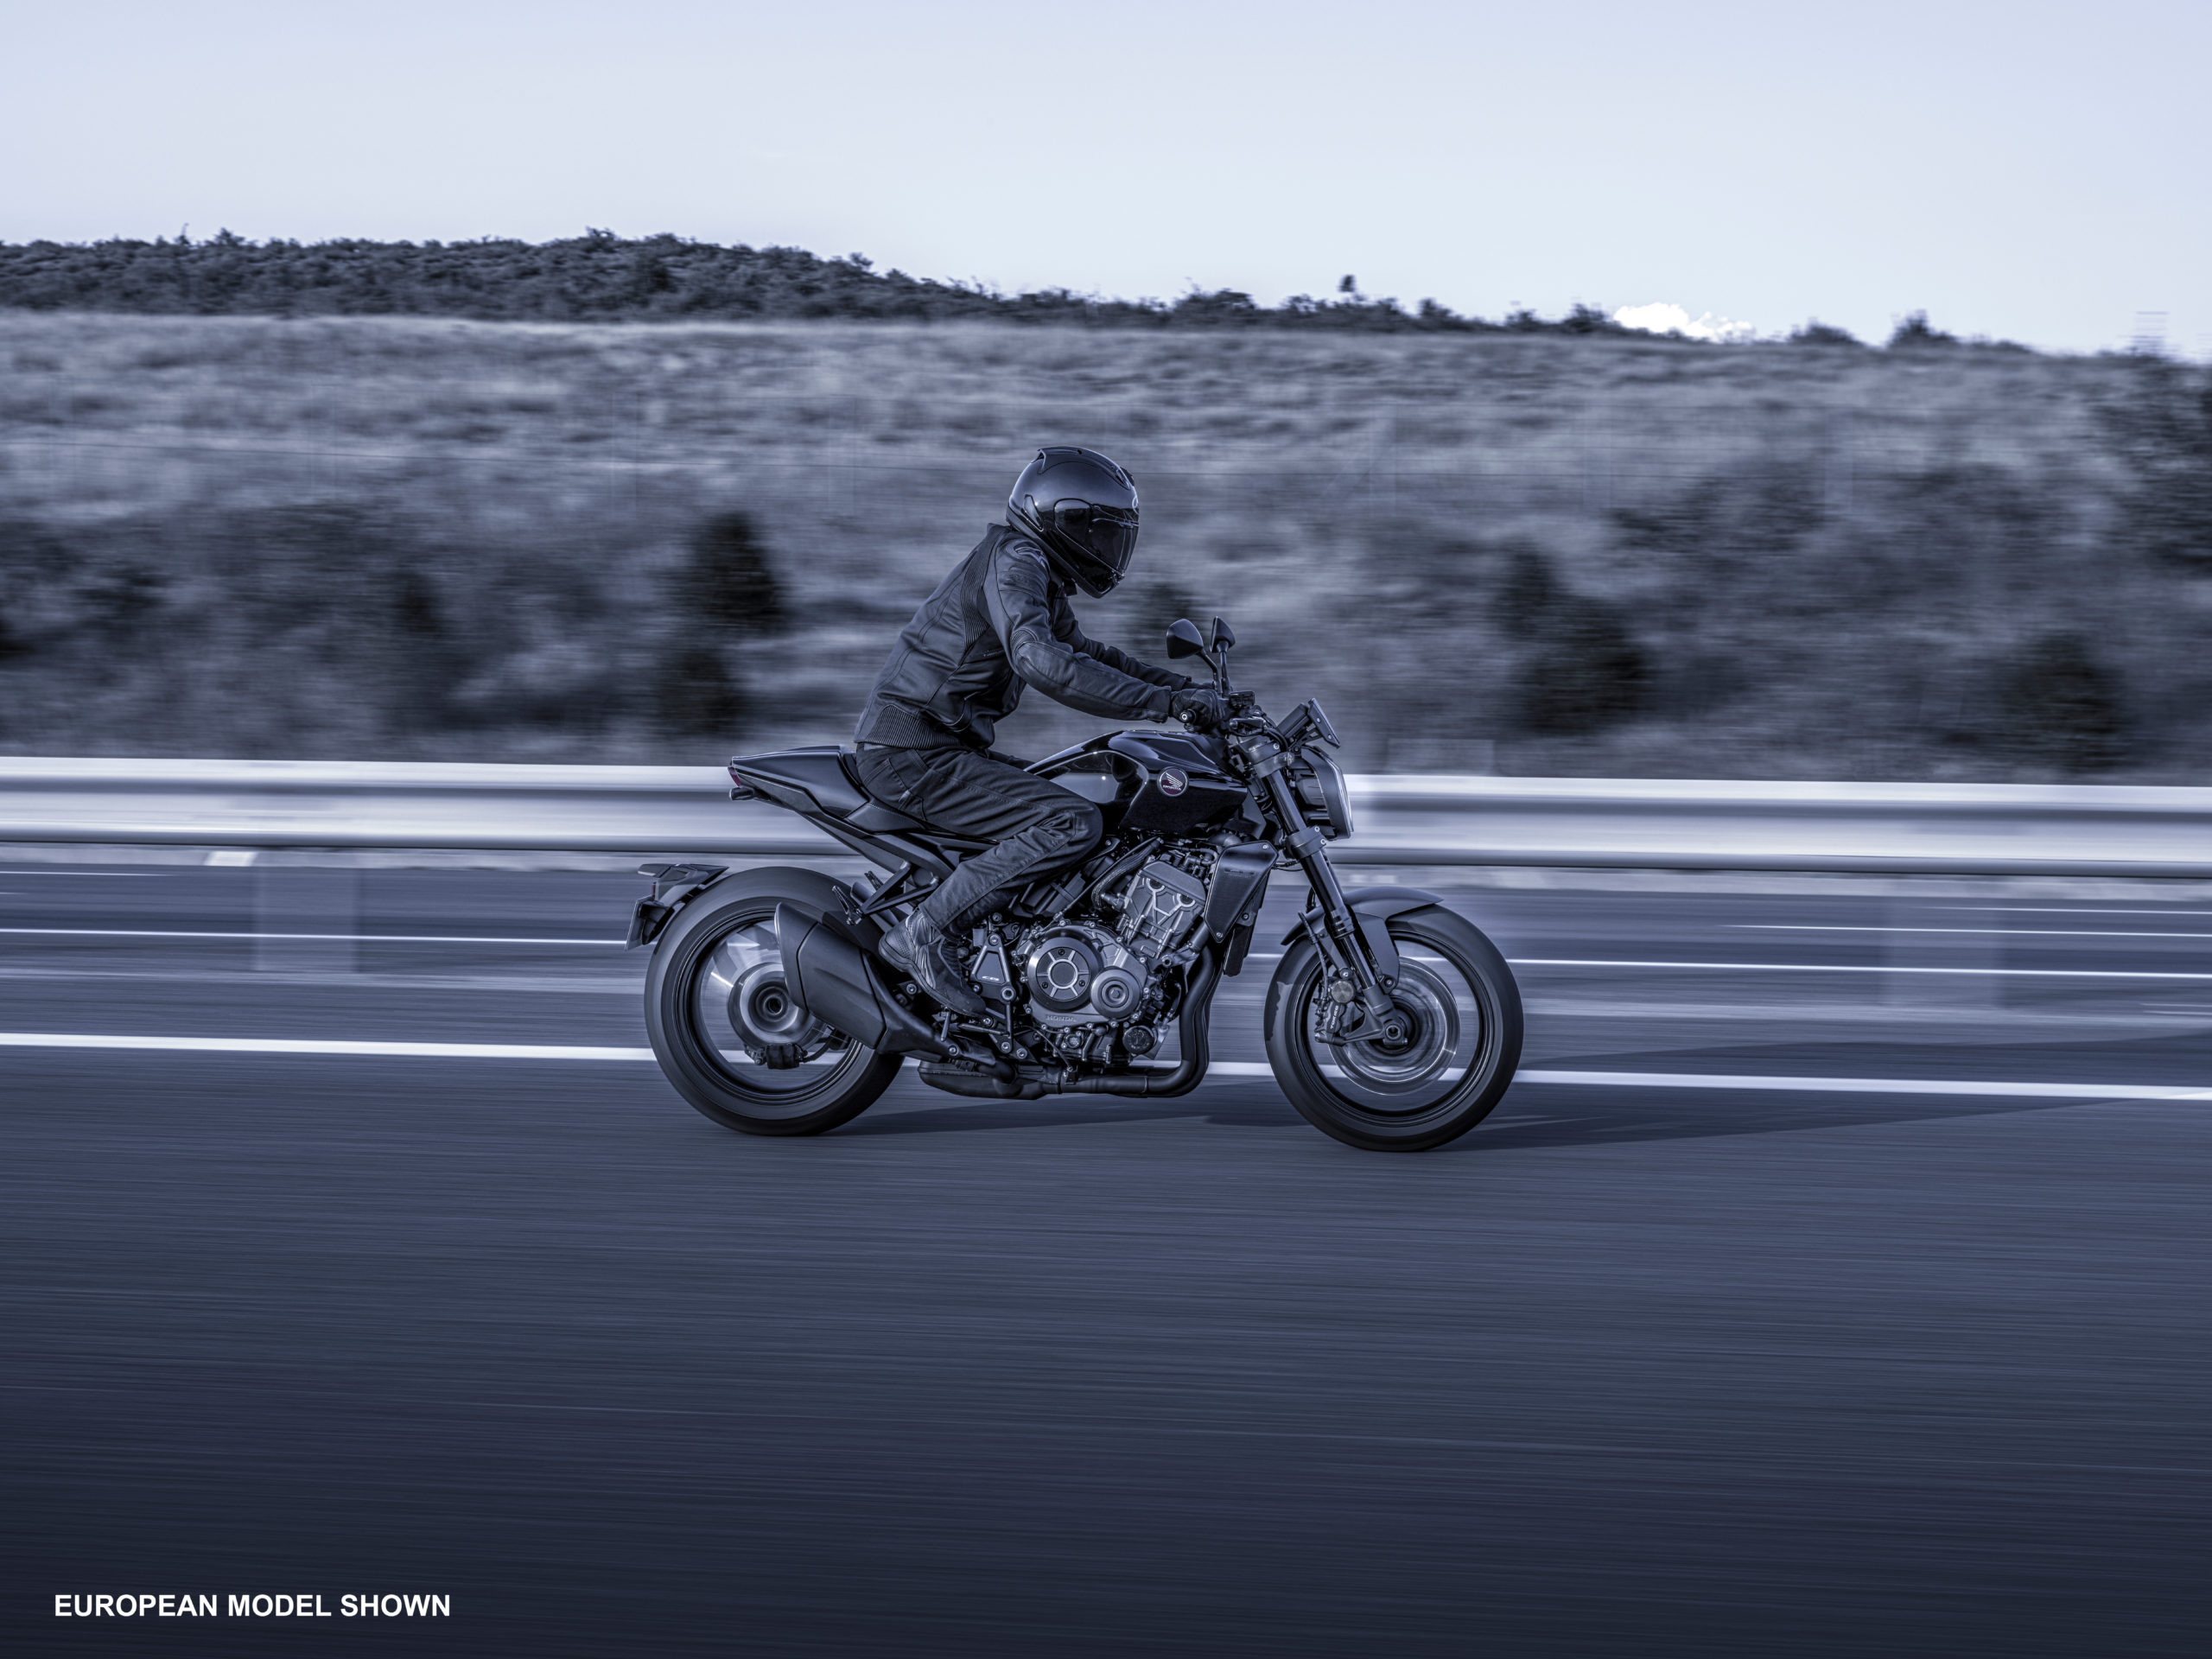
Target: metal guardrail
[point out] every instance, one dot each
(1895, 829)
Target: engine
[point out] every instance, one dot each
(1077, 972)
(1099, 972)
(1161, 904)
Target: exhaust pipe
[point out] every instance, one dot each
(1177, 1079)
(834, 981)
(1183, 1077)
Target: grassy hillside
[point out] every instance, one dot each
(1598, 555)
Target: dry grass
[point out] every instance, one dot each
(383, 536)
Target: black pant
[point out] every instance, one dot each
(1040, 827)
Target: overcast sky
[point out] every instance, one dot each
(2036, 171)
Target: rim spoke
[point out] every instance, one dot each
(1416, 1074)
(743, 967)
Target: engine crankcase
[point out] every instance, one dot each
(1077, 974)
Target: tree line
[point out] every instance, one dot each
(600, 277)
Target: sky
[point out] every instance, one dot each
(2030, 171)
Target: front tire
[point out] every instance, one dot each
(1442, 1080)
(723, 1026)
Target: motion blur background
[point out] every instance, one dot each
(616, 496)
(1535, 550)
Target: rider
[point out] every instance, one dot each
(1000, 621)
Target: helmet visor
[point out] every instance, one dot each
(1098, 536)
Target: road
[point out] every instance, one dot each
(1690, 1362)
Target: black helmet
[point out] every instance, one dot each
(1083, 510)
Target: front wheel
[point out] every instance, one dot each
(726, 1029)
(1455, 1061)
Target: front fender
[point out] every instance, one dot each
(1374, 907)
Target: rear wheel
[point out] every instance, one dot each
(1451, 1060)
(726, 1029)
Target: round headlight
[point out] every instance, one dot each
(1334, 816)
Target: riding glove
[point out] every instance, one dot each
(1198, 709)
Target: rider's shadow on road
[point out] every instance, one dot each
(1531, 1116)
(1245, 1107)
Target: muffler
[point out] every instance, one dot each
(834, 981)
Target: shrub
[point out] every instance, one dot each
(1586, 671)
(1914, 333)
(1816, 332)
(1588, 320)
(1582, 668)
(695, 694)
(2163, 431)
(727, 580)
(1526, 593)
(36, 567)
(1725, 539)
(1158, 605)
(2055, 702)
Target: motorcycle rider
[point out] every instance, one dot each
(1000, 621)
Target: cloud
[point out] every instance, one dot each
(1661, 318)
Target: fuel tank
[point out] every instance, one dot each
(1157, 783)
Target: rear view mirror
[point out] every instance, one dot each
(1184, 639)
(1223, 635)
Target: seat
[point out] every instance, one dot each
(816, 778)
(822, 779)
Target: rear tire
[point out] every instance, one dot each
(716, 1004)
(1407, 1099)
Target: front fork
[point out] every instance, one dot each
(1373, 1013)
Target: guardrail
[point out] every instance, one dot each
(1896, 828)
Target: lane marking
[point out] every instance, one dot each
(1997, 1089)
(1869, 1085)
(2073, 910)
(1837, 968)
(423, 1051)
(1979, 932)
(357, 939)
(319, 1045)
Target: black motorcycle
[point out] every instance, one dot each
(1392, 1023)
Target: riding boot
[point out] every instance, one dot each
(917, 948)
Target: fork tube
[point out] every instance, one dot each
(1343, 946)
(1337, 917)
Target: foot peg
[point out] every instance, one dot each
(917, 951)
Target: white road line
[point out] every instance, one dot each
(2075, 910)
(1979, 932)
(423, 1051)
(1870, 1085)
(1836, 968)
(319, 1045)
(1999, 1089)
(357, 939)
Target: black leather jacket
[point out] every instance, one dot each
(998, 622)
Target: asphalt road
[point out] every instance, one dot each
(1647, 1368)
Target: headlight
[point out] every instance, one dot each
(1321, 792)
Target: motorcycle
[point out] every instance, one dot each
(1392, 1023)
